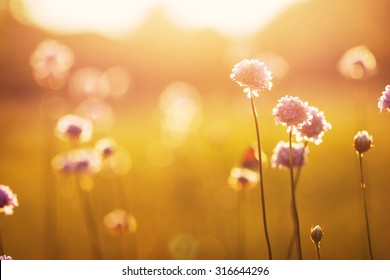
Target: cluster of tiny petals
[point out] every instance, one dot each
(5, 258)
(281, 155)
(362, 141)
(384, 100)
(252, 75)
(315, 130)
(292, 112)
(8, 200)
(73, 127)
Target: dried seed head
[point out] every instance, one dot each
(316, 234)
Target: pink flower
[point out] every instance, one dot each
(314, 130)
(51, 62)
(243, 178)
(79, 161)
(384, 100)
(5, 258)
(8, 200)
(362, 141)
(106, 147)
(252, 75)
(292, 112)
(72, 127)
(281, 155)
(119, 221)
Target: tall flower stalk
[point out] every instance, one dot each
(293, 113)
(253, 76)
(362, 143)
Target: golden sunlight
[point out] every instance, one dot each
(117, 17)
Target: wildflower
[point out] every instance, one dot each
(5, 257)
(315, 130)
(79, 161)
(119, 221)
(51, 62)
(183, 246)
(384, 100)
(252, 75)
(73, 127)
(292, 112)
(8, 200)
(243, 179)
(281, 155)
(106, 147)
(357, 63)
(362, 141)
(316, 234)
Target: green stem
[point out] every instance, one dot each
(261, 180)
(295, 211)
(363, 186)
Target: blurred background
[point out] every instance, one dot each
(154, 76)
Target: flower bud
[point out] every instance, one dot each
(316, 234)
(362, 141)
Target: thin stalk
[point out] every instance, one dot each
(241, 214)
(296, 180)
(363, 186)
(89, 221)
(1, 244)
(294, 206)
(318, 251)
(261, 180)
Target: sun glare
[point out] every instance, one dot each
(118, 17)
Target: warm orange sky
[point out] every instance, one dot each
(115, 17)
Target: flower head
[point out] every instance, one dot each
(316, 234)
(51, 62)
(5, 258)
(79, 161)
(8, 200)
(281, 155)
(73, 127)
(119, 221)
(384, 100)
(314, 130)
(292, 112)
(362, 141)
(243, 178)
(357, 63)
(252, 75)
(106, 147)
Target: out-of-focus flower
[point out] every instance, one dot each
(292, 112)
(5, 258)
(73, 127)
(243, 179)
(79, 161)
(51, 61)
(316, 234)
(250, 159)
(252, 75)
(119, 221)
(183, 246)
(384, 100)
(106, 147)
(8, 200)
(362, 141)
(357, 63)
(314, 130)
(281, 155)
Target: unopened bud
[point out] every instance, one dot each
(316, 234)
(362, 141)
